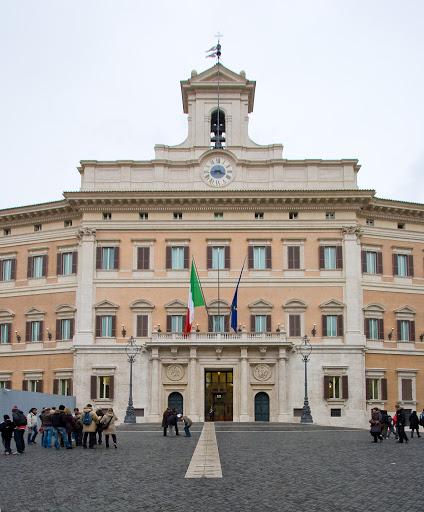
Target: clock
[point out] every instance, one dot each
(217, 172)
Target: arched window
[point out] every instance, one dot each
(218, 129)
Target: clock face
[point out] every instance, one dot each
(217, 172)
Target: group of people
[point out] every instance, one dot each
(382, 424)
(58, 426)
(170, 420)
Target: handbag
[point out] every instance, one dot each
(105, 426)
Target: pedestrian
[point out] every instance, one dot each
(390, 427)
(187, 424)
(211, 414)
(165, 415)
(77, 430)
(99, 427)
(20, 421)
(32, 425)
(108, 425)
(89, 424)
(59, 428)
(375, 423)
(173, 422)
(69, 424)
(414, 423)
(47, 426)
(6, 428)
(400, 424)
(384, 423)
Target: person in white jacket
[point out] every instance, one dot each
(32, 425)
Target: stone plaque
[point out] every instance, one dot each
(262, 372)
(175, 372)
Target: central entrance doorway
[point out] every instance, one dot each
(218, 395)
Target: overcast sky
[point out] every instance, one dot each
(100, 79)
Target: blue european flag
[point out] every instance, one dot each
(234, 318)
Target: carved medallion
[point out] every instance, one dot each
(175, 372)
(262, 372)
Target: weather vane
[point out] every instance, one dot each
(215, 52)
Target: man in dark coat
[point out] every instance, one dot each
(414, 424)
(6, 428)
(165, 420)
(400, 424)
(20, 421)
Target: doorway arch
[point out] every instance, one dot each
(262, 406)
(176, 401)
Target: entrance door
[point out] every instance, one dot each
(175, 401)
(262, 406)
(219, 395)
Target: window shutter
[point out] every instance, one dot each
(398, 329)
(28, 331)
(339, 257)
(210, 323)
(140, 258)
(45, 264)
(168, 323)
(41, 331)
(411, 330)
(1, 270)
(406, 389)
(116, 266)
(209, 257)
(227, 323)
(395, 264)
(55, 386)
(98, 258)
(290, 257)
(410, 265)
(340, 325)
(98, 326)
(142, 322)
(40, 385)
(72, 329)
(368, 388)
(9, 333)
(112, 387)
(326, 387)
(324, 325)
(296, 252)
(75, 262)
(58, 329)
(186, 255)
(8, 384)
(24, 385)
(13, 272)
(268, 323)
(345, 387)
(250, 256)
(143, 258)
(364, 261)
(30, 266)
(379, 262)
(168, 257)
(59, 264)
(113, 326)
(380, 329)
(367, 328)
(321, 262)
(384, 389)
(227, 257)
(70, 387)
(268, 261)
(252, 323)
(93, 390)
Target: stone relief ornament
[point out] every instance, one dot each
(86, 232)
(352, 230)
(262, 372)
(175, 372)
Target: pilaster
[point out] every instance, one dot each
(244, 384)
(283, 412)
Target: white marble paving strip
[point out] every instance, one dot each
(205, 462)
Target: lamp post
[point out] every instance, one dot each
(132, 350)
(305, 350)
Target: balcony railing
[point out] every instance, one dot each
(218, 336)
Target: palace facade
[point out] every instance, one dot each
(321, 257)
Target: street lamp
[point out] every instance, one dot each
(132, 350)
(305, 350)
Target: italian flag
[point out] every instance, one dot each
(195, 298)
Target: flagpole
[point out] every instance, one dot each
(219, 264)
(200, 284)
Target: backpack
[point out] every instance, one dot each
(87, 418)
(19, 419)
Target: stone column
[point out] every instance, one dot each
(283, 412)
(155, 413)
(192, 388)
(244, 384)
(84, 328)
(353, 287)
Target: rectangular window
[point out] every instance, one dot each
(64, 386)
(406, 330)
(34, 385)
(218, 323)
(143, 216)
(104, 386)
(65, 263)
(331, 321)
(330, 215)
(176, 323)
(37, 227)
(374, 389)
(35, 331)
(373, 329)
(218, 215)
(259, 215)
(334, 387)
(407, 390)
(259, 258)
(178, 216)
(370, 222)
(330, 257)
(5, 333)
(177, 258)
(403, 265)
(107, 216)
(38, 267)
(294, 325)
(66, 328)
(5, 384)
(261, 324)
(108, 258)
(218, 258)
(7, 268)
(106, 326)
(142, 326)
(293, 257)
(7, 231)
(67, 223)
(371, 262)
(293, 215)
(143, 258)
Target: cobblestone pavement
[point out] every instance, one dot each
(278, 468)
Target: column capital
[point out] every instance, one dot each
(86, 233)
(352, 232)
(243, 353)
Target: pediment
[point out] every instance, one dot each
(34, 311)
(226, 76)
(215, 303)
(6, 314)
(260, 304)
(141, 304)
(295, 304)
(374, 307)
(106, 304)
(332, 304)
(175, 304)
(407, 310)
(65, 308)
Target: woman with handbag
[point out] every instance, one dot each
(108, 426)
